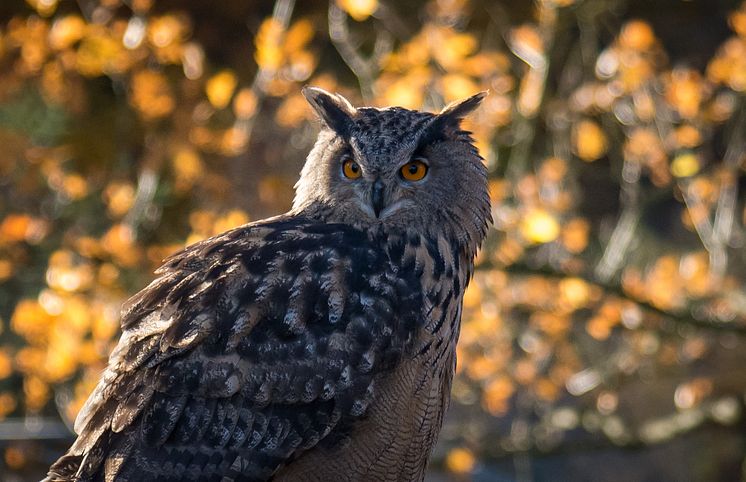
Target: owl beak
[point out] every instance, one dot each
(376, 197)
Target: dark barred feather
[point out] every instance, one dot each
(302, 348)
(246, 351)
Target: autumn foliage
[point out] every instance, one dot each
(131, 128)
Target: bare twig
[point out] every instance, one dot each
(702, 225)
(716, 235)
(392, 22)
(281, 14)
(364, 69)
(683, 317)
(626, 227)
(147, 183)
(526, 124)
(725, 212)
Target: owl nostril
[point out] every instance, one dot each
(376, 197)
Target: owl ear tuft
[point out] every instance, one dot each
(333, 109)
(457, 110)
(445, 125)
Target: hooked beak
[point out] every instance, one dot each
(376, 197)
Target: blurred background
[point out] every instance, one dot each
(604, 336)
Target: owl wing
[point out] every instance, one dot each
(247, 349)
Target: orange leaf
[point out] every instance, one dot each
(358, 9)
(220, 87)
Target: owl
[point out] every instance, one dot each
(318, 345)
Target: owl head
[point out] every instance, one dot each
(395, 168)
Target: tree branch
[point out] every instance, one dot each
(680, 317)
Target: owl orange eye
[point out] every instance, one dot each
(351, 169)
(414, 170)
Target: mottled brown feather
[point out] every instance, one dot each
(314, 346)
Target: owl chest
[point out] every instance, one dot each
(393, 441)
(404, 420)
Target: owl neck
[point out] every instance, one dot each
(457, 237)
(461, 233)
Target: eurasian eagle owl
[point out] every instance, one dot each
(316, 345)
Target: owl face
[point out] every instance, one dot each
(394, 167)
(379, 171)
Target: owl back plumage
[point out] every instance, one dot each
(318, 345)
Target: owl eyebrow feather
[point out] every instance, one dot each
(433, 133)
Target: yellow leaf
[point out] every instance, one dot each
(685, 165)
(15, 226)
(460, 461)
(737, 21)
(6, 269)
(230, 220)
(187, 168)
(598, 327)
(539, 226)
(358, 9)
(31, 321)
(275, 190)
(165, 30)
(201, 221)
(298, 35)
(45, 8)
(119, 242)
(292, 111)
(404, 94)
(244, 105)
(151, 95)
(452, 48)
(687, 136)
(472, 296)
(77, 315)
(483, 64)
(233, 141)
(684, 92)
(269, 54)
(411, 54)
(141, 6)
(546, 389)
(590, 140)
(405, 91)
(7, 405)
(575, 235)
(637, 35)
(99, 53)
(30, 359)
(75, 186)
(456, 86)
(119, 198)
(15, 458)
(574, 292)
(66, 31)
(36, 393)
(6, 364)
(497, 393)
(220, 87)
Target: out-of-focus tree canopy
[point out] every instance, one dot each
(607, 319)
